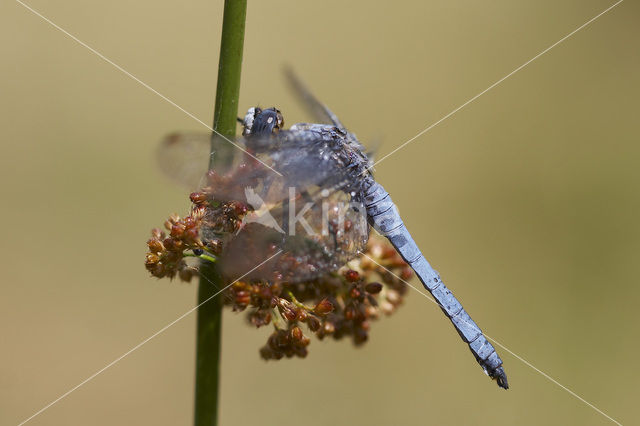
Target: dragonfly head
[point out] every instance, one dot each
(262, 122)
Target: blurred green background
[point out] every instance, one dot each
(527, 202)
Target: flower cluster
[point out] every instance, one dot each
(166, 256)
(339, 304)
(167, 253)
(336, 305)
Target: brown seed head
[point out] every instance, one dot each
(373, 288)
(351, 275)
(323, 307)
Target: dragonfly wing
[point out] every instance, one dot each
(317, 230)
(300, 201)
(184, 157)
(320, 112)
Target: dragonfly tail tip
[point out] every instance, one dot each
(501, 378)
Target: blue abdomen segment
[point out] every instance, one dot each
(383, 215)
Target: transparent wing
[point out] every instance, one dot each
(320, 112)
(288, 193)
(317, 230)
(184, 157)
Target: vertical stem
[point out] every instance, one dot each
(209, 320)
(228, 89)
(208, 347)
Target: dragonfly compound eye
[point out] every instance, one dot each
(265, 122)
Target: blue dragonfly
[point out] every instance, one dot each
(314, 204)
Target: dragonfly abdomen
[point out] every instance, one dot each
(383, 215)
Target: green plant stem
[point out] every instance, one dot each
(208, 335)
(201, 256)
(228, 89)
(208, 346)
(298, 303)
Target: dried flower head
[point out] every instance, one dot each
(339, 304)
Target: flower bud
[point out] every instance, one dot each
(329, 327)
(287, 310)
(393, 297)
(157, 233)
(313, 323)
(323, 307)
(373, 288)
(388, 252)
(169, 243)
(360, 336)
(177, 230)
(355, 292)
(296, 333)
(158, 270)
(151, 259)
(243, 298)
(350, 312)
(387, 308)
(260, 317)
(302, 315)
(191, 234)
(198, 198)
(351, 275)
(406, 273)
(266, 353)
(155, 246)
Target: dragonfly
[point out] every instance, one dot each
(312, 201)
